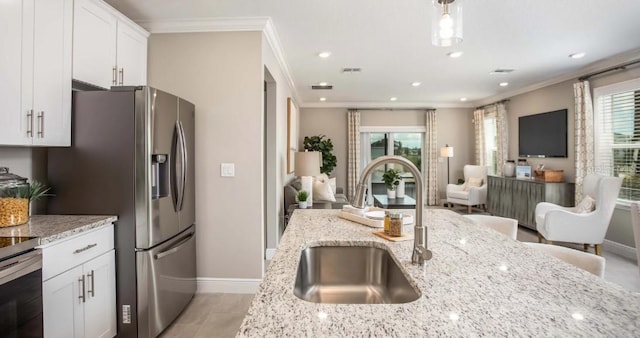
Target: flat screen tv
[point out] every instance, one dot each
(543, 135)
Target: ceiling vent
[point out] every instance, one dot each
(321, 87)
(351, 70)
(502, 71)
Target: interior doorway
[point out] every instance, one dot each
(270, 198)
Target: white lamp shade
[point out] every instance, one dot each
(446, 151)
(446, 22)
(307, 163)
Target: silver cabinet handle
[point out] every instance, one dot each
(77, 251)
(175, 247)
(41, 124)
(114, 75)
(91, 292)
(82, 297)
(30, 123)
(184, 159)
(121, 76)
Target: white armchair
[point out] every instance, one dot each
(469, 195)
(564, 224)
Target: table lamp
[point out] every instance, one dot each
(307, 165)
(447, 152)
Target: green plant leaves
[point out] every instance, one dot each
(325, 146)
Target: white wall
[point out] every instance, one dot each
(222, 74)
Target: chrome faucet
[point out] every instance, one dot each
(420, 252)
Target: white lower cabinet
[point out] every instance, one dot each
(81, 301)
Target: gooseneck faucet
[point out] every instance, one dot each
(420, 252)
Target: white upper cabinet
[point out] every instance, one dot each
(108, 49)
(35, 94)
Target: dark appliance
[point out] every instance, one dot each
(543, 135)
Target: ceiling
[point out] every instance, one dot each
(390, 41)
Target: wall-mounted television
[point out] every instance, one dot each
(543, 135)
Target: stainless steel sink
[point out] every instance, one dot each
(351, 275)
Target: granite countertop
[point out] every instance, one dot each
(50, 228)
(478, 283)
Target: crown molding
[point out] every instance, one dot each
(590, 68)
(387, 105)
(242, 24)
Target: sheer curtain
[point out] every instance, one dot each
(478, 121)
(431, 158)
(584, 135)
(502, 131)
(353, 155)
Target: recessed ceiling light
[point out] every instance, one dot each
(416, 84)
(455, 54)
(577, 55)
(323, 99)
(504, 84)
(324, 55)
(393, 99)
(322, 84)
(463, 99)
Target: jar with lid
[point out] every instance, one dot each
(14, 199)
(387, 221)
(395, 224)
(509, 168)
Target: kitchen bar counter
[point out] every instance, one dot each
(478, 283)
(50, 228)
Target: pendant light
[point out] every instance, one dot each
(446, 24)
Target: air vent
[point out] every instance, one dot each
(502, 71)
(322, 87)
(351, 70)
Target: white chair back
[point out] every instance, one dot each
(635, 222)
(606, 196)
(583, 260)
(475, 171)
(506, 226)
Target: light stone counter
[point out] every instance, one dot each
(478, 283)
(50, 228)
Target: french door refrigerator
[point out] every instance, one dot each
(132, 155)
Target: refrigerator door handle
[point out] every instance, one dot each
(185, 163)
(175, 247)
(175, 191)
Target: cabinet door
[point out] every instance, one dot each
(13, 116)
(63, 306)
(53, 22)
(100, 308)
(94, 43)
(131, 56)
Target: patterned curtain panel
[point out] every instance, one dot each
(431, 154)
(584, 135)
(502, 129)
(353, 148)
(478, 121)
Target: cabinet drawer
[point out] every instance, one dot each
(74, 251)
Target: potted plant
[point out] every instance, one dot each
(391, 179)
(324, 146)
(302, 199)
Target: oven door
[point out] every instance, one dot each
(21, 295)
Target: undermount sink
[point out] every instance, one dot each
(351, 275)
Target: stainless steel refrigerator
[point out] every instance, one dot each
(132, 155)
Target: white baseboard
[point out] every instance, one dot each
(269, 253)
(227, 285)
(619, 249)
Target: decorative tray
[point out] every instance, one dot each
(374, 223)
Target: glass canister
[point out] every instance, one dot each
(395, 224)
(14, 199)
(509, 168)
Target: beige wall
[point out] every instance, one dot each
(561, 96)
(453, 127)
(222, 74)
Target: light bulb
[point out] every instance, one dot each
(446, 21)
(446, 33)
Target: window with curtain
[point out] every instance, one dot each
(617, 135)
(491, 142)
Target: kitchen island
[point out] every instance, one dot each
(478, 283)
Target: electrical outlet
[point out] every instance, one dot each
(126, 314)
(227, 169)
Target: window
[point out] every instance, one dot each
(617, 135)
(491, 142)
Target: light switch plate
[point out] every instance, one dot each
(227, 169)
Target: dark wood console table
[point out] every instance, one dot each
(381, 201)
(517, 198)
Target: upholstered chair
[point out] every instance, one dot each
(503, 225)
(579, 224)
(583, 260)
(473, 191)
(635, 222)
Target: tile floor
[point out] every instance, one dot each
(220, 315)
